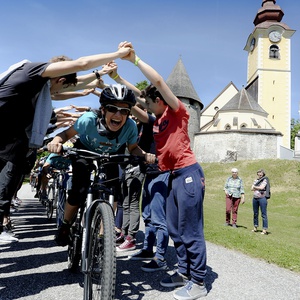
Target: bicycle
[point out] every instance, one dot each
(93, 232)
(33, 181)
(63, 179)
(51, 195)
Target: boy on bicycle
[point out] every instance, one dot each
(107, 130)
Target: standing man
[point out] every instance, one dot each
(25, 111)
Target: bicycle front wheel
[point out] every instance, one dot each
(100, 279)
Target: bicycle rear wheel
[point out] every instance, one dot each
(100, 279)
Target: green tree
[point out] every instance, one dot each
(295, 128)
(142, 85)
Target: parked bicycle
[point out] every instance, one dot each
(92, 234)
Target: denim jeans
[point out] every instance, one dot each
(261, 203)
(154, 213)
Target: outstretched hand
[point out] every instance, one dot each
(113, 69)
(131, 55)
(124, 51)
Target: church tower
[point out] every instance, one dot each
(269, 66)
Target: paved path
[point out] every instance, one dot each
(35, 268)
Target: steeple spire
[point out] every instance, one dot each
(180, 83)
(270, 12)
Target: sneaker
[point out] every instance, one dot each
(120, 239)
(226, 224)
(8, 229)
(15, 203)
(190, 291)
(62, 237)
(128, 245)
(155, 265)
(234, 226)
(5, 237)
(175, 280)
(142, 255)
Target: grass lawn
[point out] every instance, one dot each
(282, 245)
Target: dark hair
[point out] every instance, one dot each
(70, 78)
(261, 171)
(152, 92)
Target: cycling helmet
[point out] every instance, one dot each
(117, 93)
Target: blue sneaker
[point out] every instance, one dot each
(155, 265)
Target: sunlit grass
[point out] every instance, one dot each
(282, 245)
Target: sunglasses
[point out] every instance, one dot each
(114, 109)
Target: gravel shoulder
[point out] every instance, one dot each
(35, 268)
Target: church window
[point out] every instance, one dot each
(227, 127)
(274, 52)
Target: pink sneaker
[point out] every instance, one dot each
(127, 245)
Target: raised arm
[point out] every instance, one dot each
(152, 75)
(84, 63)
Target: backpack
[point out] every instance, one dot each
(268, 189)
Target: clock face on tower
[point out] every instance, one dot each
(275, 36)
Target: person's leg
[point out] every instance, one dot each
(146, 253)
(150, 230)
(126, 203)
(158, 193)
(188, 188)
(76, 196)
(189, 191)
(10, 176)
(235, 207)
(135, 193)
(228, 200)
(263, 202)
(255, 205)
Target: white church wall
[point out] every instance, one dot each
(234, 145)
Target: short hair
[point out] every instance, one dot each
(152, 92)
(261, 171)
(70, 78)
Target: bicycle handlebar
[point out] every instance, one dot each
(103, 157)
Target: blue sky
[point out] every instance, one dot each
(209, 36)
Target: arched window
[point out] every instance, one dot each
(244, 125)
(274, 52)
(227, 127)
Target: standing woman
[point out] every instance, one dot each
(260, 201)
(234, 193)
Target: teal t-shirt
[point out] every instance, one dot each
(86, 126)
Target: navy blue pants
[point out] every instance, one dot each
(154, 213)
(184, 211)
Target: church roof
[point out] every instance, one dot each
(243, 101)
(180, 83)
